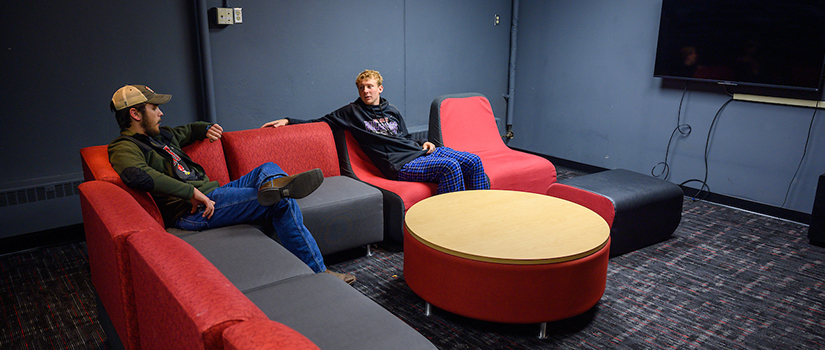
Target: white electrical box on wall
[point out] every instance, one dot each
(225, 16)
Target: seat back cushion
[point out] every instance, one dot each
(451, 117)
(209, 154)
(508, 169)
(295, 148)
(96, 166)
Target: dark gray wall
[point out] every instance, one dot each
(62, 61)
(300, 59)
(585, 92)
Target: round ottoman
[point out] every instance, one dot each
(506, 256)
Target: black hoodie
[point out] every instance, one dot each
(379, 130)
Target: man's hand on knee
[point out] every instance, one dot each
(198, 198)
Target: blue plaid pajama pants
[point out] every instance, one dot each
(452, 170)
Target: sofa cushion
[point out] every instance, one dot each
(343, 213)
(245, 255)
(333, 315)
(295, 148)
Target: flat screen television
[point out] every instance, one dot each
(769, 43)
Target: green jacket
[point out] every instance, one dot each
(149, 170)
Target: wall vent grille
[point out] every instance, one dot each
(418, 133)
(39, 193)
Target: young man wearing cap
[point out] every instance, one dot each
(149, 157)
(382, 134)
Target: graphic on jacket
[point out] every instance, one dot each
(383, 126)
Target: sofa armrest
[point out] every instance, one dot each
(355, 163)
(110, 216)
(181, 298)
(264, 335)
(96, 166)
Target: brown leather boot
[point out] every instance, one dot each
(350, 279)
(295, 186)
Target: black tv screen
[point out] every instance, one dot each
(772, 43)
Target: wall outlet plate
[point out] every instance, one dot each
(225, 16)
(238, 15)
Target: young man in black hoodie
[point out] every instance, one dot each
(380, 131)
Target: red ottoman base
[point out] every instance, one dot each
(506, 293)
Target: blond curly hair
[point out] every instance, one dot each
(369, 74)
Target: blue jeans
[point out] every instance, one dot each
(237, 203)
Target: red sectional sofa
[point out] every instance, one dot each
(235, 287)
(178, 297)
(339, 202)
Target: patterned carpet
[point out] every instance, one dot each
(727, 279)
(47, 300)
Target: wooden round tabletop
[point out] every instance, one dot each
(507, 227)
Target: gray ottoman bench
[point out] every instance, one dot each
(646, 210)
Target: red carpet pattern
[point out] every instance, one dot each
(47, 300)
